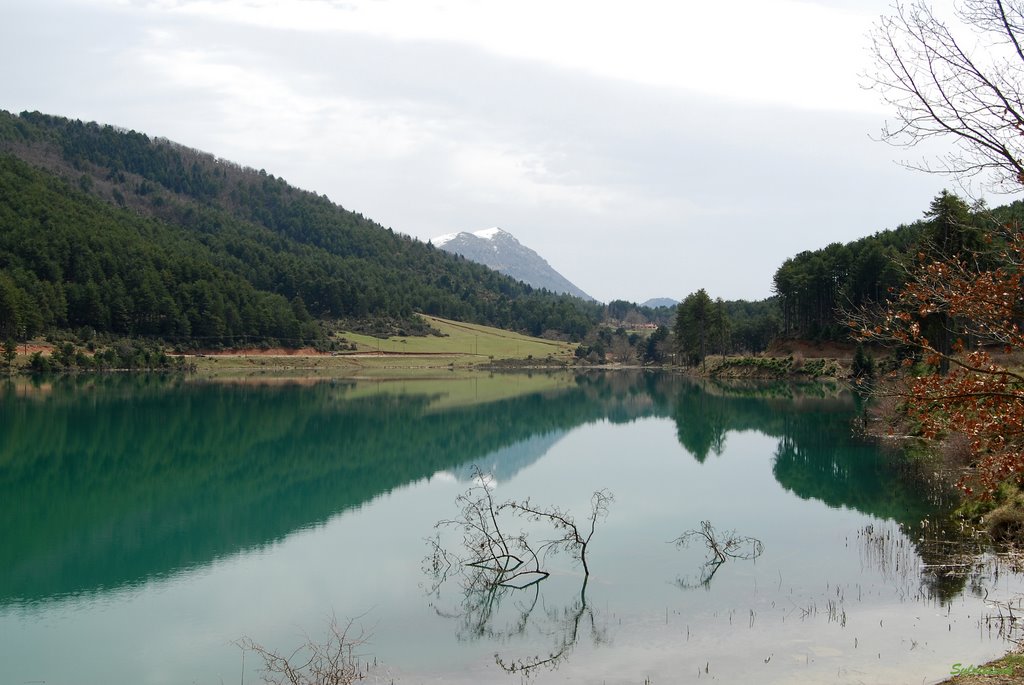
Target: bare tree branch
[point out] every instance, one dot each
(495, 564)
(960, 390)
(333, 661)
(721, 546)
(941, 87)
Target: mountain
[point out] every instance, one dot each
(500, 251)
(116, 232)
(660, 302)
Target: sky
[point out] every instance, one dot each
(646, 148)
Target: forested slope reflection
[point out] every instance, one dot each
(818, 455)
(108, 482)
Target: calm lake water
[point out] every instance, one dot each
(150, 523)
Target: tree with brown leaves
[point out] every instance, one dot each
(980, 397)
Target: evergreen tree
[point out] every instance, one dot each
(695, 319)
(951, 229)
(10, 352)
(655, 347)
(863, 364)
(950, 234)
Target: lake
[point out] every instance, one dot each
(151, 523)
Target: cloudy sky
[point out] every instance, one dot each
(644, 148)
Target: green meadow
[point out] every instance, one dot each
(483, 343)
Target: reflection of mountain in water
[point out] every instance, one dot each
(115, 480)
(111, 481)
(506, 462)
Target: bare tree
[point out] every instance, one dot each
(963, 84)
(622, 350)
(499, 569)
(721, 546)
(333, 661)
(571, 538)
(496, 556)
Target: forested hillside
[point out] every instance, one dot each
(814, 287)
(132, 235)
(813, 284)
(113, 231)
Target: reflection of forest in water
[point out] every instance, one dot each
(113, 480)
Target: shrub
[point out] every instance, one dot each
(37, 363)
(863, 364)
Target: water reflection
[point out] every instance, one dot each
(493, 558)
(720, 548)
(507, 615)
(106, 482)
(561, 624)
(236, 509)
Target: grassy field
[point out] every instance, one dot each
(466, 340)
(444, 368)
(460, 347)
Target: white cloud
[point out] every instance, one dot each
(477, 160)
(784, 51)
(492, 173)
(640, 148)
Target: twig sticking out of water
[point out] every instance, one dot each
(721, 546)
(333, 661)
(497, 560)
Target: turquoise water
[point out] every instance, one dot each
(150, 523)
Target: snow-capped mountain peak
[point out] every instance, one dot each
(491, 233)
(499, 250)
(485, 234)
(442, 239)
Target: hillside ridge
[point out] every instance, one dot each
(117, 232)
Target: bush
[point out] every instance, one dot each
(863, 364)
(1006, 524)
(64, 354)
(37, 363)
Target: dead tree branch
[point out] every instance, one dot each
(721, 546)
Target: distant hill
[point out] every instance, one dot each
(660, 302)
(501, 251)
(117, 232)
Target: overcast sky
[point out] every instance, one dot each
(644, 148)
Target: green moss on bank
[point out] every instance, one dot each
(791, 367)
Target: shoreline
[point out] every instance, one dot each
(1005, 670)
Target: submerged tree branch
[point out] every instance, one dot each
(721, 546)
